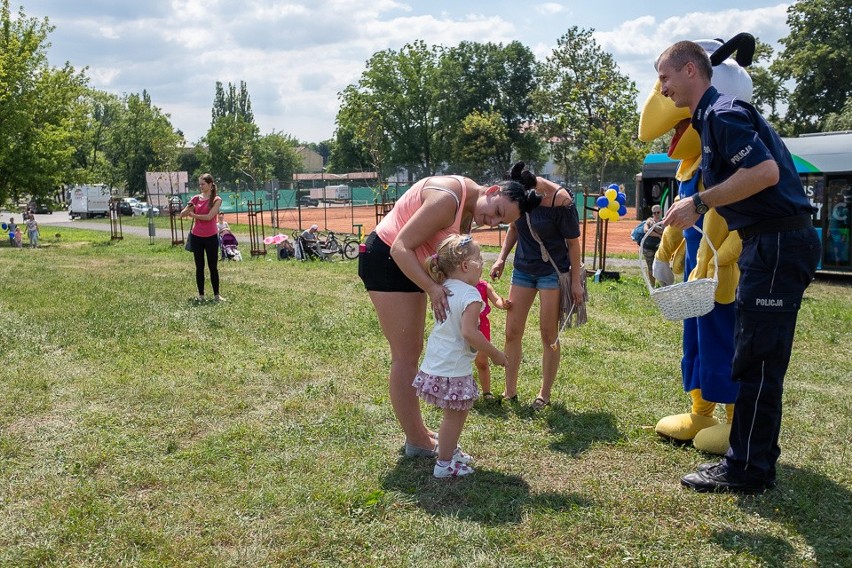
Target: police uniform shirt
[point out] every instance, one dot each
(734, 135)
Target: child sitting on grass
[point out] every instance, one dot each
(445, 378)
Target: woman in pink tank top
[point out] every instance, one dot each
(393, 273)
(203, 209)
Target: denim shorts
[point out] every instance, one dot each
(525, 280)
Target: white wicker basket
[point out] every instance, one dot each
(685, 299)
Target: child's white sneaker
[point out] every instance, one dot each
(460, 456)
(451, 469)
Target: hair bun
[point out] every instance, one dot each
(532, 199)
(523, 176)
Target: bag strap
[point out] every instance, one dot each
(544, 254)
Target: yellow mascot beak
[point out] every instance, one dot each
(659, 115)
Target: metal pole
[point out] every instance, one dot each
(324, 199)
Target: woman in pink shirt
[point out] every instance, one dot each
(392, 270)
(204, 208)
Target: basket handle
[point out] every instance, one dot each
(644, 265)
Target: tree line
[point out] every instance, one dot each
(471, 109)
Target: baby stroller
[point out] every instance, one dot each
(309, 250)
(229, 247)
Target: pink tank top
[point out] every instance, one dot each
(392, 223)
(203, 228)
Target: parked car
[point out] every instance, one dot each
(141, 208)
(307, 200)
(40, 207)
(125, 208)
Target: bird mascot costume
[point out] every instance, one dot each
(708, 341)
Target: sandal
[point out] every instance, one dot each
(540, 403)
(488, 397)
(512, 399)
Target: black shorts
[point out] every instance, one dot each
(378, 270)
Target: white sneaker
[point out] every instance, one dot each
(454, 469)
(460, 456)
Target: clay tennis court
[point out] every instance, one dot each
(346, 218)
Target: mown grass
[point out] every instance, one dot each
(140, 428)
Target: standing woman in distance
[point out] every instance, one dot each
(393, 273)
(203, 209)
(557, 224)
(32, 230)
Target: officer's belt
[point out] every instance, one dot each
(778, 225)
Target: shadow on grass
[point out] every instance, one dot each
(206, 303)
(813, 506)
(486, 497)
(577, 431)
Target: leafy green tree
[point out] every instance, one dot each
(769, 92)
(141, 139)
(817, 55)
(360, 135)
(479, 134)
(347, 152)
(279, 156)
(587, 109)
(489, 80)
(40, 114)
(233, 140)
(102, 112)
(394, 109)
(192, 160)
(839, 120)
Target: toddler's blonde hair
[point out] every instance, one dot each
(452, 251)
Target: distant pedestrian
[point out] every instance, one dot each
(32, 230)
(203, 209)
(652, 241)
(12, 226)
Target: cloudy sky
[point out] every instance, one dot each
(296, 56)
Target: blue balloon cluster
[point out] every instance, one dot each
(611, 205)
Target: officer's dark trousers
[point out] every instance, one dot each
(775, 270)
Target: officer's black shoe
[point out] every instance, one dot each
(770, 484)
(717, 479)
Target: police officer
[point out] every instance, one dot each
(752, 182)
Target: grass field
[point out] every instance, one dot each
(138, 428)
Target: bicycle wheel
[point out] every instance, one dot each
(332, 247)
(350, 250)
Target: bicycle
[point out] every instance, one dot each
(347, 250)
(351, 247)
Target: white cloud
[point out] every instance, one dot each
(635, 44)
(295, 55)
(550, 8)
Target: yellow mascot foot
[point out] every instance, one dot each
(713, 440)
(684, 427)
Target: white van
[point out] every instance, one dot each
(89, 201)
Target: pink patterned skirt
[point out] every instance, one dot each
(455, 393)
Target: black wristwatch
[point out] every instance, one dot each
(700, 207)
